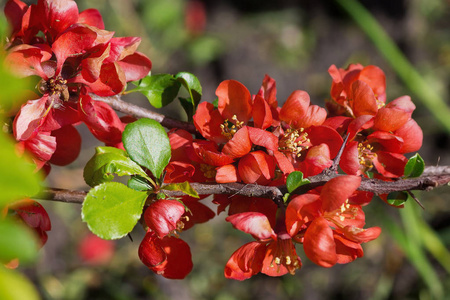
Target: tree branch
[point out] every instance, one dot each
(432, 178)
(131, 109)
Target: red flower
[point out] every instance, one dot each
(272, 254)
(169, 256)
(329, 225)
(163, 217)
(73, 57)
(357, 90)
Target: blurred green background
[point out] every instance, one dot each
(294, 42)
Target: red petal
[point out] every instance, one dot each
(234, 100)
(162, 216)
(262, 114)
(135, 66)
(211, 156)
(245, 261)
(412, 136)
(349, 162)
(283, 162)
(325, 135)
(74, 42)
(360, 235)
(263, 138)
(227, 174)
(295, 107)
(319, 243)
(101, 120)
(150, 251)
(268, 91)
(254, 223)
(121, 47)
(68, 145)
(57, 15)
(389, 164)
(25, 60)
(256, 167)
(314, 116)
(91, 17)
(317, 159)
(301, 210)
(388, 141)
(347, 251)
(14, 11)
(364, 102)
(337, 190)
(179, 258)
(29, 118)
(207, 120)
(375, 78)
(403, 103)
(199, 213)
(239, 145)
(42, 146)
(112, 81)
(390, 119)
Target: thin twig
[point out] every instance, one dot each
(427, 182)
(139, 112)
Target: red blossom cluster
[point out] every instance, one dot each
(73, 55)
(250, 139)
(244, 138)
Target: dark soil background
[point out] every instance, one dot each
(294, 42)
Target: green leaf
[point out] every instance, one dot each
(159, 89)
(111, 209)
(17, 241)
(397, 198)
(414, 167)
(17, 177)
(184, 187)
(295, 180)
(147, 143)
(139, 183)
(188, 107)
(14, 285)
(108, 161)
(192, 85)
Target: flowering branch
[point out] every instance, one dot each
(431, 178)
